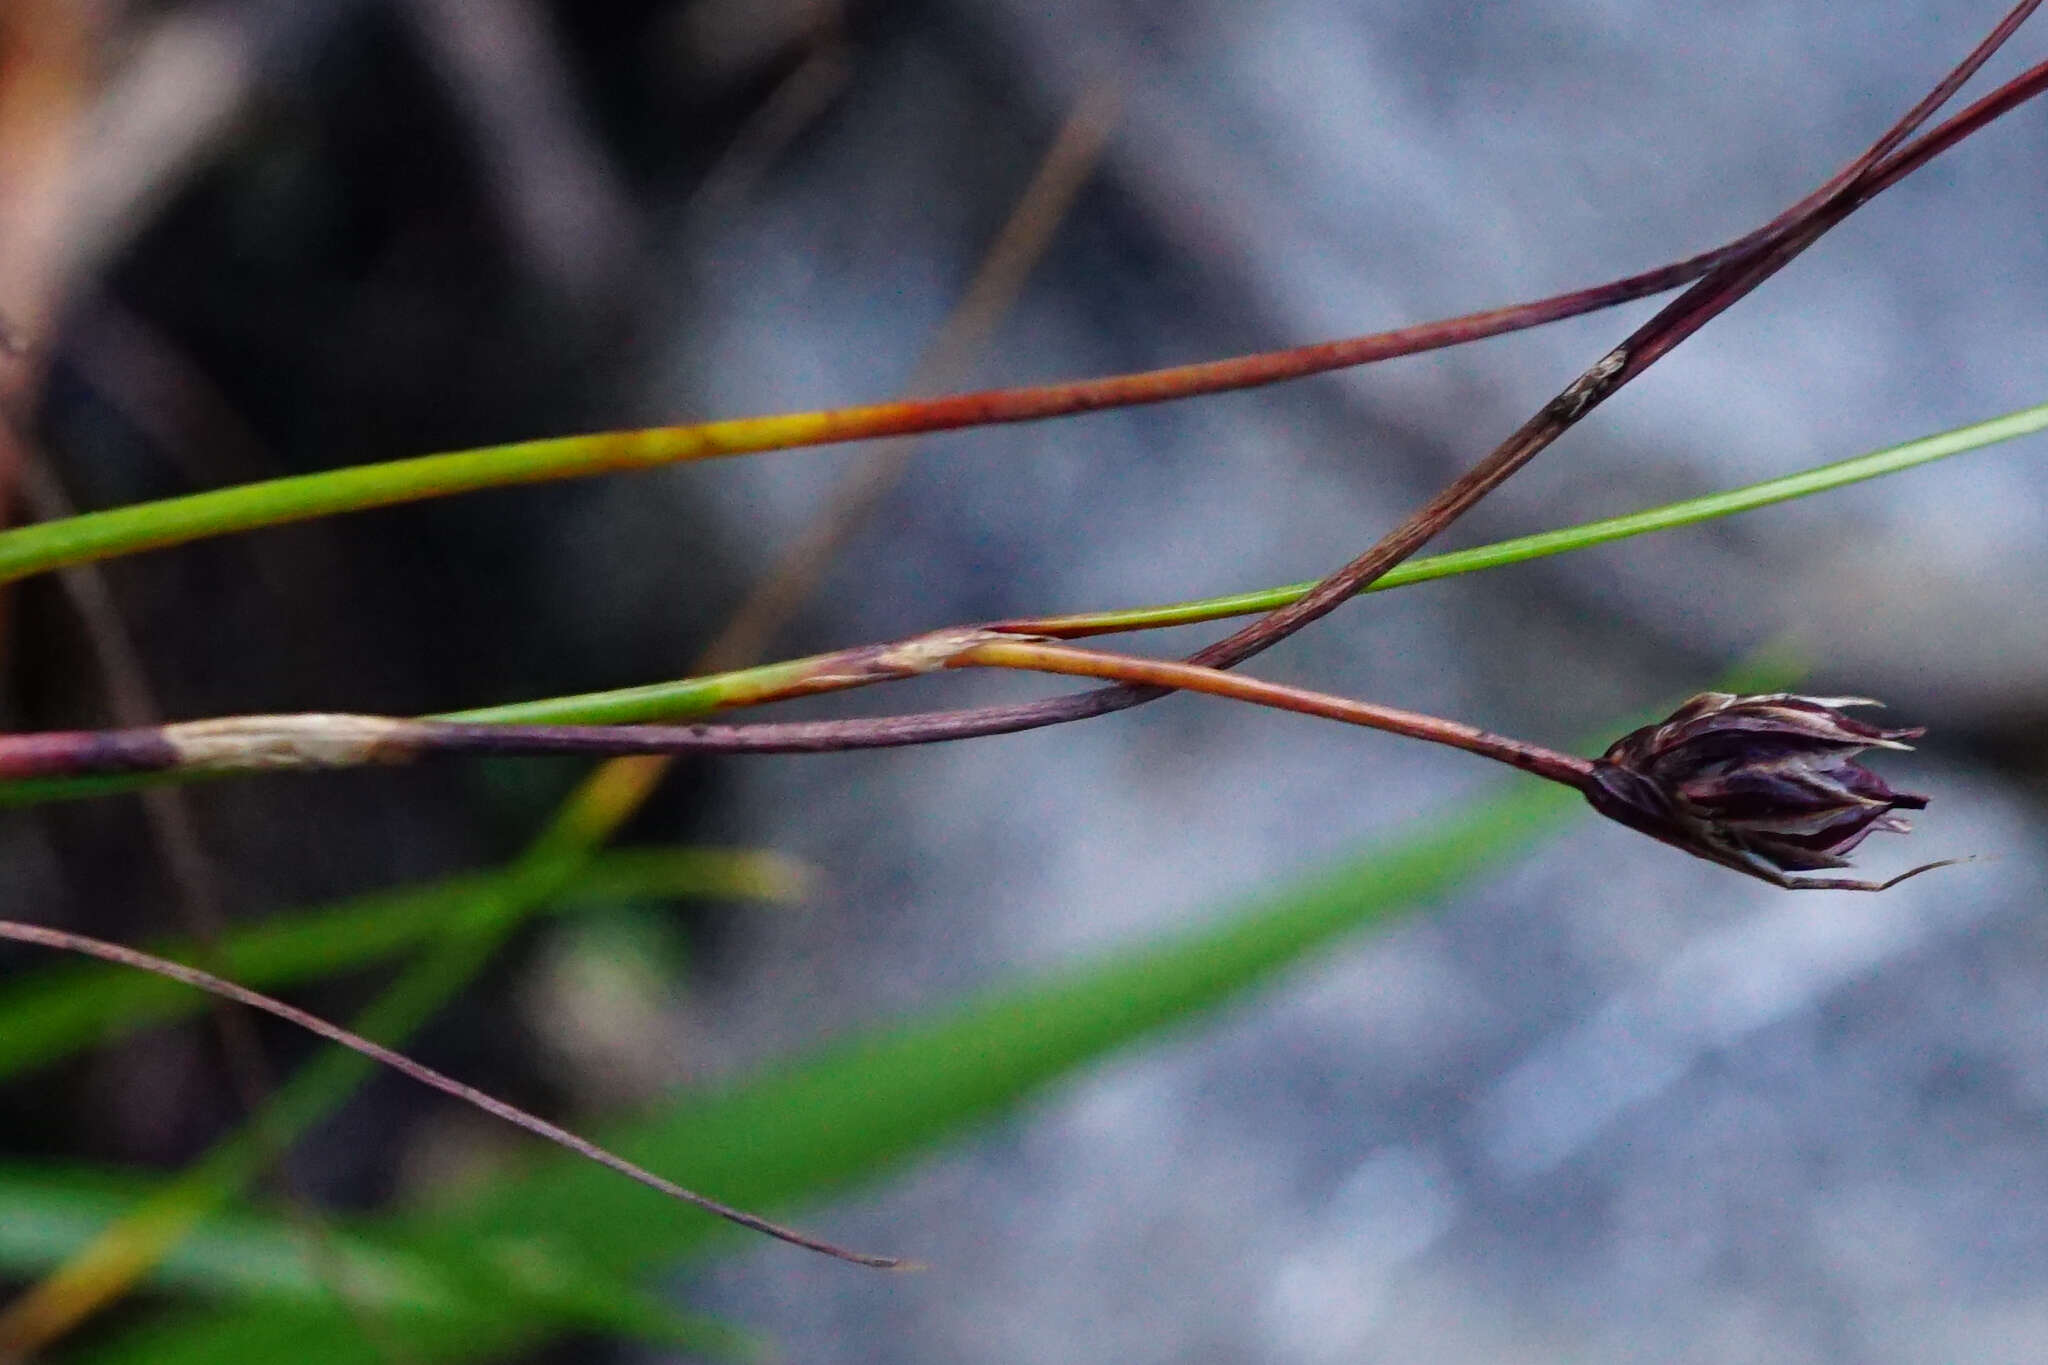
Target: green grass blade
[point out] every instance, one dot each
(855, 1108)
(37, 791)
(1825, 478)
(865, 1103)
(57, 1010)
(48, 1213)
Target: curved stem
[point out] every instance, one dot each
(63, 941)
(36, 549)
(1044, 657)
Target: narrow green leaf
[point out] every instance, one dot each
(863, 1103)
(1825, 478)
(46, 1214)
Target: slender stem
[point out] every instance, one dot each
(1521, 549)
(100, 535)
(1042, 657)
(122, 956)
(119, 531)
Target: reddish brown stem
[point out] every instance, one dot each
(1042, 657)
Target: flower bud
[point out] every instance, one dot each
(1767, 785)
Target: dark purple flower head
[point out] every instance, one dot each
(1766, 784)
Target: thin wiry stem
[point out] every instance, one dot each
(64, 941)
(1045, 657)
(176, 521)
(108, 534)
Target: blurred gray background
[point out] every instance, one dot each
(1609, 1104)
